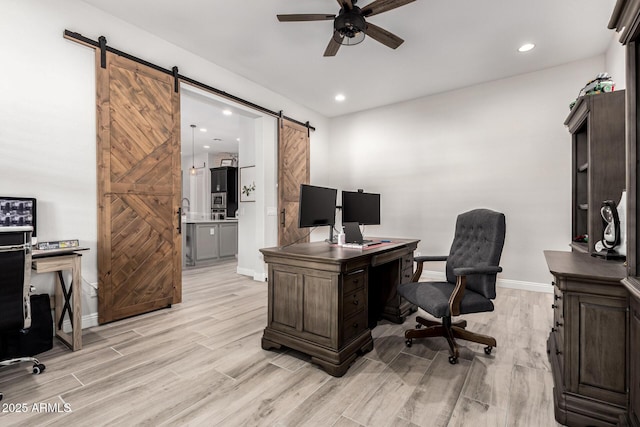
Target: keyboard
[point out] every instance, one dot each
(364, 244)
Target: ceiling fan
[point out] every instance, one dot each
(350, 26)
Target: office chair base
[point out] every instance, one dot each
(37, 369)
(451, 331)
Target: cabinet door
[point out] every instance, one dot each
(634, 351)
(206, 242)
(596, 329)
(218, 180)
(304, 303)
(228, 239)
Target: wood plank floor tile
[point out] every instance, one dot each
(469, 412)
(201, 363)
(434, 399)
(380, 406)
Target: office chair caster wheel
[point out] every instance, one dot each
(38, 368)
(453, 360)
(487, 349)
(1, 396)
(408, 342)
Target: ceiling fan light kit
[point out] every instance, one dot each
(350, 26)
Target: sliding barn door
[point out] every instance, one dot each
(293, 170)
(139, 248)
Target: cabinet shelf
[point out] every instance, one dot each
(597, 128)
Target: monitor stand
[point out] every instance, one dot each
(331, 239)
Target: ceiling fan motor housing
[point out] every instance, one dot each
(350, 22)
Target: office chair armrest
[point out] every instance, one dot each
(421, 260)
(484, 269)
(461, 283)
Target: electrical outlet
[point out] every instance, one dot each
(212, 231)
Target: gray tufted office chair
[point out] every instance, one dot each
(472, 266)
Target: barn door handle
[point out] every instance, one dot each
(283, 215)
(180, 220)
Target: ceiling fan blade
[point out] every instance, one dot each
(380, 6)
(345, 4)
(383, 36)
(296, 17)
(333, 46)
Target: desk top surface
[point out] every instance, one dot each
(36, 253)
(331, 252)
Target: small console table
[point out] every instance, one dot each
(67, 300)
(325, 299)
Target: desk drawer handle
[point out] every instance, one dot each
(558, 352)
(356, 302)
(558, 324)
(553, 329)
(554, 306)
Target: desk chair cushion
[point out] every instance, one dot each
(478, 242)
(433, 297)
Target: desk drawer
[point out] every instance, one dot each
(354, 302)
(354, 326)
(353, 281)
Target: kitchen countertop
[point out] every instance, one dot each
(203, 219)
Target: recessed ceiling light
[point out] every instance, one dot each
(238, 139)
(206, 146)
(340, 97)
(203, 130)
(526, 47)
(227, 112)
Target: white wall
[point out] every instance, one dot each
(47, 113)
(500, 145)
(615, 63)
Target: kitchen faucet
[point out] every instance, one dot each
(188, 204)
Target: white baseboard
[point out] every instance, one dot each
(258, 277)
(502, 283)
(88, 321)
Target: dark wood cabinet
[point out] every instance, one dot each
(588, 346)
(597, 127)
(225, 180)
(634, 353)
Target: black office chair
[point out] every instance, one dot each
(15, 290)
(472, 266)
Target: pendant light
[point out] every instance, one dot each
(193, 150)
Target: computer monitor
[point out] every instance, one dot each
(317, 206)
(360, 207)
(18, 211)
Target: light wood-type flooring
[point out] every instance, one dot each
(200, 363)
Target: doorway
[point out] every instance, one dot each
(232, 139)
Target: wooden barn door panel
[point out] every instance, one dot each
(139, 266)
(293, 170)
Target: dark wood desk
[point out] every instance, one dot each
(324, 299)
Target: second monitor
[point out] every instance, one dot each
(360, 207)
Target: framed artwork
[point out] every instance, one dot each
(226, 162)
(248, 184)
